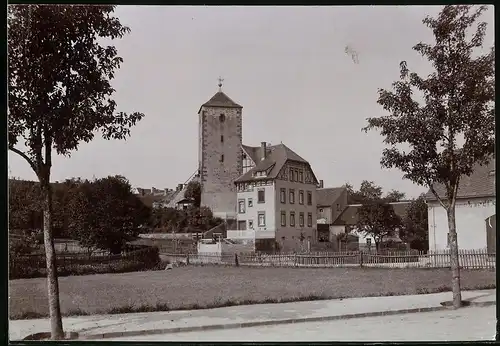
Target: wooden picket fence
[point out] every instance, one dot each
(468, 259)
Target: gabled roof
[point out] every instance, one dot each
(220, 100)
(481, 183)
(350, 214)
(277, 156)
(326, 197)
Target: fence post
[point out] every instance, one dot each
(236, 262)
(361, 258)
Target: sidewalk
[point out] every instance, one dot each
(112, 326)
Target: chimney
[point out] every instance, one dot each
(179, 187)
(263, 150)
(321, 184)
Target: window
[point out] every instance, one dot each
(283, 218)
(222, 158)
(261, 196)
(291, 174)
(301, 197)
(301, 220)
(250, 224)
(368, 242)
(250, 203)
(301, 176)
(291, 196)
(320, 210)
(309, 219)
(283, 195)
(222, 118)
(448, 240)
(338, 207)
(295, 175)
(241, 206)
(292, 219)
(221, 138)
(262, 219)
(309, 198)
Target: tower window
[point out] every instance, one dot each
(222, 118)
(221, 138)
(222, 158)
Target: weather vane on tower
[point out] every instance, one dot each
(220, 83)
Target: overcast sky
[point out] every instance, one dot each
(286, 66)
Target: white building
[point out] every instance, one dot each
(475, 215)
(276, 199)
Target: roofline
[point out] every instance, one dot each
(433, 198)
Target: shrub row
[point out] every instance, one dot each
(32, 266)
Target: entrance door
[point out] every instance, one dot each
(491, 234)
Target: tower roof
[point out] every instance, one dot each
(220, 100)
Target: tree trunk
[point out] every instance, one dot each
(455, 267)
(56, 327)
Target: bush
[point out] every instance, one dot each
(135, 259)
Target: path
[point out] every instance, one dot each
(177, 321)
(467, 324)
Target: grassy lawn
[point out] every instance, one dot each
(209, 286)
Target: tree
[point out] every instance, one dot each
(106, 214)
(394, 196)
(378, 219)
(193, 191)
(24, 205)
(415, 230)
(368, 191)
(452, 128)
(59, 75)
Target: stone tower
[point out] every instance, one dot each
(219, 156)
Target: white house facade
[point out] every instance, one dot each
(472, 218)
(475, 215)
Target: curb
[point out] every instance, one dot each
(270, 322)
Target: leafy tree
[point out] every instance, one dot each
(378, 219)
(200, 218)
(106, 214)
(59, 94)
(193, 191)
(24, 205)
(394, 196)
(368, 191)
(452, 128)
(415, 230)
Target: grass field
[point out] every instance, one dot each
(210, 286)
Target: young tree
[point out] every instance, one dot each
(193, 191)
(59, 75)
(415, 230)
(377, 219)
(106, 214)
(452, 129)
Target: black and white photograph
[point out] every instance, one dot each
(251, 173)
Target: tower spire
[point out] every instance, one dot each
(220, 83)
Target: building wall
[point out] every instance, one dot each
(289, 237)
(470, 216)
(252, 213)
(217, 176)
(325, 213)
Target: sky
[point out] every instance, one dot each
(286, 66)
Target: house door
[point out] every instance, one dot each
(491, 234)
(242, 225)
